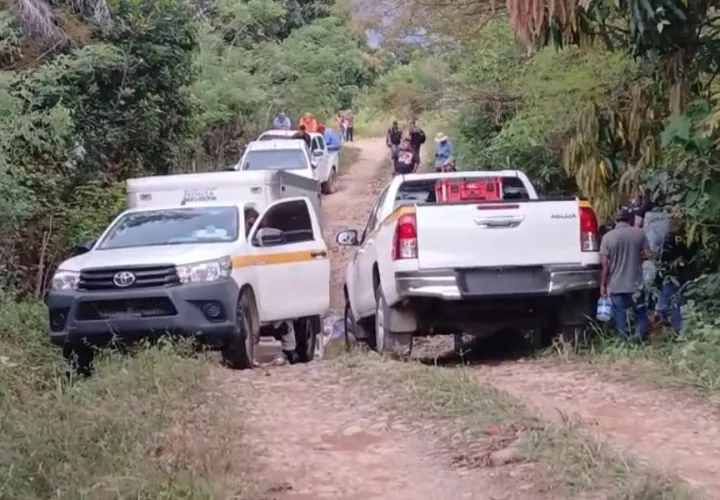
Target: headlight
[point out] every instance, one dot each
(209, 270)
(65, 280)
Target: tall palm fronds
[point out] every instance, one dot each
(42, 24)
(39, 21)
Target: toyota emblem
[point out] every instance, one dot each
(124, 279)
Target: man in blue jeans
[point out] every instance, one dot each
(622, 252)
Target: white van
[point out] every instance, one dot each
(326, 161)
(260, 187)
(190, 262)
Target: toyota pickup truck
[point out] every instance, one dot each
(429, 263)
(222, 257)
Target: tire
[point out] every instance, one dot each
(328, 187)
(81, 358)
(305, 339)
(386, 341)
(238, 352)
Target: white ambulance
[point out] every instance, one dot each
(219, 257)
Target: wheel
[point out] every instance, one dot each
(305, 339)
(80, 357)
(356, 331)
(387, 341)
(239, 350)
(328, 187)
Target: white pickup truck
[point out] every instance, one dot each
(326, 160)
(474, 266)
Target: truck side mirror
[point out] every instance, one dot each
(83, 247)
(269, 237)
(318, 153)
(348, 238)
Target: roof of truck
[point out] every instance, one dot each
(276, 144)
(199, 180)
(281, 133)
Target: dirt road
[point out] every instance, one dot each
(314, 437)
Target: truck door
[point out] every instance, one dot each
(320, 155)
(366, 258)
(291, 259)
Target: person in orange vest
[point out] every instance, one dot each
(311, 124)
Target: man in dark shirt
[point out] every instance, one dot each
(622, 252)
(393, 137)
(675, 271)
(417, 137)
(405, 159)
(302, 134)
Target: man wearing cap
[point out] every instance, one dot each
(444, 150)
(622, 252)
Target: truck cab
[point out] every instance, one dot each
(327, 162)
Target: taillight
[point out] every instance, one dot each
(589, 233)
(405, 244)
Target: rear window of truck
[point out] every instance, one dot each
(423, 191)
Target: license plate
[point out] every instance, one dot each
(503, 281)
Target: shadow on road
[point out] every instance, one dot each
(498, 348)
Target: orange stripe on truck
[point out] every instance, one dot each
(276, 258)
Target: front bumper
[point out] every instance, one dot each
(459, 284)
(189, 310)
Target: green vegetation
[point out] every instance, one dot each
(606, 100)
(567, 462)
(131, 431)
(92, 93)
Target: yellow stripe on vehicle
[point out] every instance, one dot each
(391, 219)
(278, 258)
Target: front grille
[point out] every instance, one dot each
(148, 307)
(145, 277)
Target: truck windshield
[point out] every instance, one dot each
(175, 226)
(275, 159)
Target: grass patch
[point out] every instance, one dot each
(143, 427)
(348, 157)
(689, 362)
(571, 461)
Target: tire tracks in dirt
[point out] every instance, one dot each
(310, 435)
(670, 431)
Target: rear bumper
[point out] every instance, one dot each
(448, 284)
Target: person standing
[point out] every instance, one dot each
(309, 122)
(417, 137)
(332, 141)
(622, 252)
(303, 134)
(444, 150)
(674, 273)
(282, 121)
(350, 127)
(393, 137)
(405, 159)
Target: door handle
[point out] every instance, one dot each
(318, 253)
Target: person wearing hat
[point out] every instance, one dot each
(444, 150)
(622, 252)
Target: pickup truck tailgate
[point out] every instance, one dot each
(529, 233)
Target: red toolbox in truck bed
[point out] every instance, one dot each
(454, 191)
